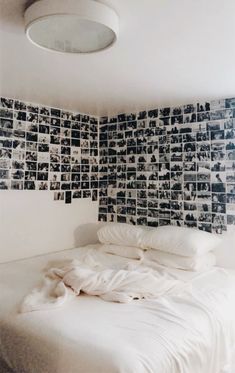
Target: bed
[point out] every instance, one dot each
(171, 334)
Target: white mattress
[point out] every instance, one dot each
(89, 335)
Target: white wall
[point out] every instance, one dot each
(31, 223)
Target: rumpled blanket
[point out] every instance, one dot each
(68, 279)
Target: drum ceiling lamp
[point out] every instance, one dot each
(71, 26)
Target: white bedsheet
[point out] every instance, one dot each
(187, 334)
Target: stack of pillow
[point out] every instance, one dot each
(182, 248)
(122, 239)
(171, 246)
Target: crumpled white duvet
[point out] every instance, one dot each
(124, 284)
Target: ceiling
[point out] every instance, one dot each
(169, 52)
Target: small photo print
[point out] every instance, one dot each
(20, 116)
(202, 136)
(203, 167)
(230, 177)
(203, 106)
(77, 194)
(44, 129)
(219, 187)
(86, 194)
(29, 185)
(54, 185)
(65, 186)
(54, 158)
(204, 217)
(18, 165)
(4, 184)
(103, 217)
(231, 188)
(218, 223)
(206, 227)
(219, 166)
(189, 108)
(19, 105)
(204, 209)
(6, 103)
(30, 175)
(55, 122)
(42, 176)
(131, 220)
(44, 110)
(230, 155)
(4, 174)
(230, 103)
(164, 112)
(5, 143)
(43, 148)
(68, 197)
(217, 135)
(55, 112)
(5, 113)
(43, 138)
(229, 134)
(94, 195)
(58, 196)
(219, 208)
(6, 133)
(30, 136)
(18, 144)
(43, 167)
(218, 177)
(55, 167)
(5, 153)
(203, 176)
(6, 123)
(5, 164)
(219, 197)
(18, 155)
(42, 185)
(31, 166)
(231, 219)
(153, 113)
(17, 185)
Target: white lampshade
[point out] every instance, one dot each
(71, 26)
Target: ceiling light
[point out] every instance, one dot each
(71, 26)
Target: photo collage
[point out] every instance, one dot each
(48, 149)
(174, 165)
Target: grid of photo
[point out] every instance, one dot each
(174, 165)
(48, 149)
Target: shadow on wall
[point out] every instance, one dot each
(225, 252)
(86, 234)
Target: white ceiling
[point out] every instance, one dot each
(168, 52)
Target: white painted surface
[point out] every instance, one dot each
(168, 52)
(225, 252)
(31, 223)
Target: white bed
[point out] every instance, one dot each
(187, 334)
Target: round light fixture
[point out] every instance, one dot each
(71, 26)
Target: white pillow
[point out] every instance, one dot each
(125, 251)
(195, 263)
(121, 234)
(179, 240)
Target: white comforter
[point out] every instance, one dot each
(191, 332)
(90, 276)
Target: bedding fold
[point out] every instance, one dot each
(124, 284)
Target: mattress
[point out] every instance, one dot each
(171, 334)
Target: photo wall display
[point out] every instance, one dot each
(48, 149)
(173, 165)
